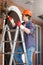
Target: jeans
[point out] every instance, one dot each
(18, 57)
(29, 55)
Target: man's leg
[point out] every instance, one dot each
(30, 52)
(18, 57)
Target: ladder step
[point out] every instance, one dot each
(13, 30)
(12, 53)
(13, 41)
(21, 63)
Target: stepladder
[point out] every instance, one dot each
(14, 46)
(6, 28)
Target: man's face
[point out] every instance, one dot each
(24, 18)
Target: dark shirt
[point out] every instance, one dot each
(29, 38)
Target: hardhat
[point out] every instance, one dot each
(27, 12)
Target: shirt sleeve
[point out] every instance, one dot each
(31, 26)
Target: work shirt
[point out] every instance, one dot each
(29, 38)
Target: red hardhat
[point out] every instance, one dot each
(27, 12)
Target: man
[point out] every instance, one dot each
(28, 36)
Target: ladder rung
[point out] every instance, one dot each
(13, 30)
(21, 63)
(12, 41)
(11, 53)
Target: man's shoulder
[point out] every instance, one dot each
(29, 23)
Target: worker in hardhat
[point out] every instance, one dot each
(28, 29)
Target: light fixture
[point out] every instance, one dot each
(29, 1)
(41, 16)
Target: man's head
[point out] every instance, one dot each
(26, 15)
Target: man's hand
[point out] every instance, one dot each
(18, 23)
(11, 20)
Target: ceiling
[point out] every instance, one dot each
(36, 6)
(24, 3)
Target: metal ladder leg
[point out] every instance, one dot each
(3, 35)
(23, 42)
(14, 45)
(9, 34)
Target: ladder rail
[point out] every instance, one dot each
(24, 47)
(3, 45)
(3, 35)
(9, 34)
(13, 47)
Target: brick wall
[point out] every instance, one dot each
(36, 22)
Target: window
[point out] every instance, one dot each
(38, 45)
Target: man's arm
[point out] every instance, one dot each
(28, 30)
(11, 20)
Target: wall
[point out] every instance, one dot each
(36, 22)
